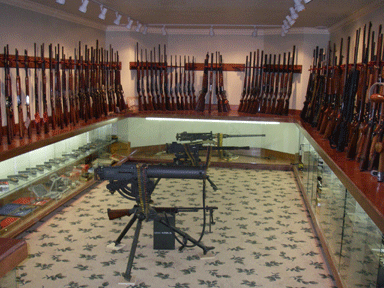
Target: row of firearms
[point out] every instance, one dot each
(165, 87)
(267, 84)
(79, 89)
(344, 101)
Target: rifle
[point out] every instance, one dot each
(337, 91)
(371, 137)
(140, 82)
(174, 105)
(218, 97)
(167, 100)
(103, 83)
(200, 106)
(210, 86)
(161, 100)
(179, 100)
(223, 94)
(325, 91)
(64, 90)
(339, 137)
(330, 94)
(248, 90)
(310, 86)
(37, 110)
(187, 104)
(267, 83)
(189, 86)
(243, 99)
(119, 88)
(272, 84)
(151, 100)
(290, 83)
(147, 105)
(251, 98)
(111, 90)
(51, 92)
(27, 104)
(59, 112)
(275, 95)
(193, 84)
(72, 102)
(156, 96)
(280, 88)
(44, 87)
(8, 97)
(254, 108)
(18, 94)
(82, 96)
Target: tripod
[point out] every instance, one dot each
(139, 215)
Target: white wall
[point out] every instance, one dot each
(233, 48)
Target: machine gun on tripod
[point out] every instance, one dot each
(135, 182)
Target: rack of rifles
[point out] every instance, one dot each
(340, 104)
(171, 87)
(267, 84)
(92, 90)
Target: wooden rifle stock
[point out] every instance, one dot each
(118, 213)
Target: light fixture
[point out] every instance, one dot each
(83, 7)
(145, 29)
(211, 121)
(138, 27)
(211, 32)
(298, 5)
(290, 20)
(62, 2)
(294, 15)
(118, 18)
(254, 33)
(307, 1)
(283, 33)
(163, 31)
(103, 12)
(130, 22)
(285, 28)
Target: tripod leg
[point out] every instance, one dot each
(214, 187)
(129, 225)
(127, 275)
(186, 237)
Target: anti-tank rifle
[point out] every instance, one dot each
(185, 136)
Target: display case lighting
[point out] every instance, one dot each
(211, 120)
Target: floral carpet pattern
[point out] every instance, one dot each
(262, 237)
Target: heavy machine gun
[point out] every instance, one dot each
(136, 182)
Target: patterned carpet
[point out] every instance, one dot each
(262, 237)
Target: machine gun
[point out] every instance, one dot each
(185, 136)
(135, 182)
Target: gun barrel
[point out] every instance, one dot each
(242, 135)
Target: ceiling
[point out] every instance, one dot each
(226, 13)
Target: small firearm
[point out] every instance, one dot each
(185, 136)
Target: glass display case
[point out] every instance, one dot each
(35, 183)
(354, 242)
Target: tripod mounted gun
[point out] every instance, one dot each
(135, 182)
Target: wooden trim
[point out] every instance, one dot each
(12, 253)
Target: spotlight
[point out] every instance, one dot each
(145, 29)
(307, 1)
(254, 33)
(118, 18)
(103, 12)
(294, 15)
(130, 22)
(290, 20)
(163, 31)
(285, 24)
(138, 26)
(298, 6)
(62, 2)
(211, 32)
(83, 7)
(284, 28)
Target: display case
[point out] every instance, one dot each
(35, 183)
(353, 241)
